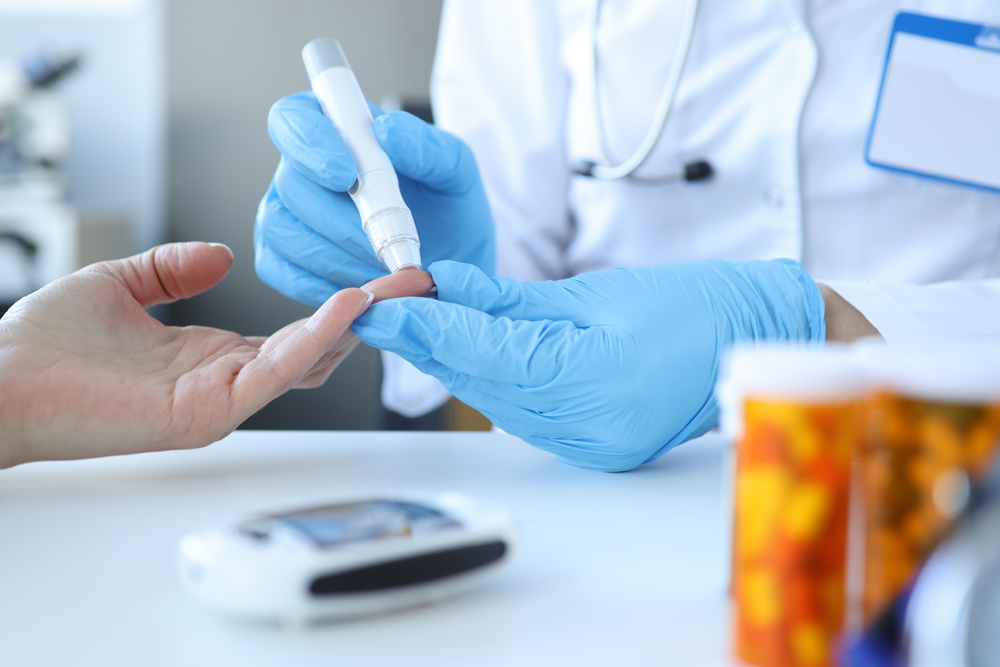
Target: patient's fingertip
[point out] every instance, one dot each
(232, 257)
(415, 279)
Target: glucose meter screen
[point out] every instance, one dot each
(336, 525)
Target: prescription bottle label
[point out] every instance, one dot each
(790, 540)
(919, 460)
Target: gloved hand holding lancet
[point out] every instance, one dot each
(308, 235)
(386, 219)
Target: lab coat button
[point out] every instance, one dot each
(775, 197)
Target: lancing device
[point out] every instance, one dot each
(386, 219)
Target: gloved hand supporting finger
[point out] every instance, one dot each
(506, 414)
(536, 399)
(501, 349)
(503, 297)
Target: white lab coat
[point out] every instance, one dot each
(777, 94)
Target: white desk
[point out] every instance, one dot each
(613, 569)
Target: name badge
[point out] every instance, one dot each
(938, 110)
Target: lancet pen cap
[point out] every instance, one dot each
(403, 254)
(321, 54)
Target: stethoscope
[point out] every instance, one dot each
(613, 170)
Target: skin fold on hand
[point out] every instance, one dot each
(85, 371)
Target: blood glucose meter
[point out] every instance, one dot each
(347, 559)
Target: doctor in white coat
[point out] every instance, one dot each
(777, 95)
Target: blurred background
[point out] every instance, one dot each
(127, 123)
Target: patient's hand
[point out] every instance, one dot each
(408, 282)
(85, 371)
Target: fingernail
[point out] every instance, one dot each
(371, 297)
(223, 245)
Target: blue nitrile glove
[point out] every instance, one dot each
(308, 236)
(608, 369)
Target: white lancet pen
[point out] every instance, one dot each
(385, 218)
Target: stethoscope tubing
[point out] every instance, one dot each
(615, 170)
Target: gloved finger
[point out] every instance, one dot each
(538, 399)
(297, 242)
(375, 109)
(310, 142)
(330, 214)
(522, 422)
(584, 453)
(427, 154)
(470, 341)
(512, 418)
(484, 392)
(458, 386)
(504, 297)
(291, 280)
(541, 431)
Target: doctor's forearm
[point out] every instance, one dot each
(844, 322)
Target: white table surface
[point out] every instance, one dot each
(612, 569)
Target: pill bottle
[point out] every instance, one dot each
(928, 434)
(793, 412)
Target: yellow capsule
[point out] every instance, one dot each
(760, 601)
(921, 472)
(806, 511)
(982, 443)
(761, 492)
(809, 645)
(804, 443)
(941, 440)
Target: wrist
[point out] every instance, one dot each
(844, 322)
